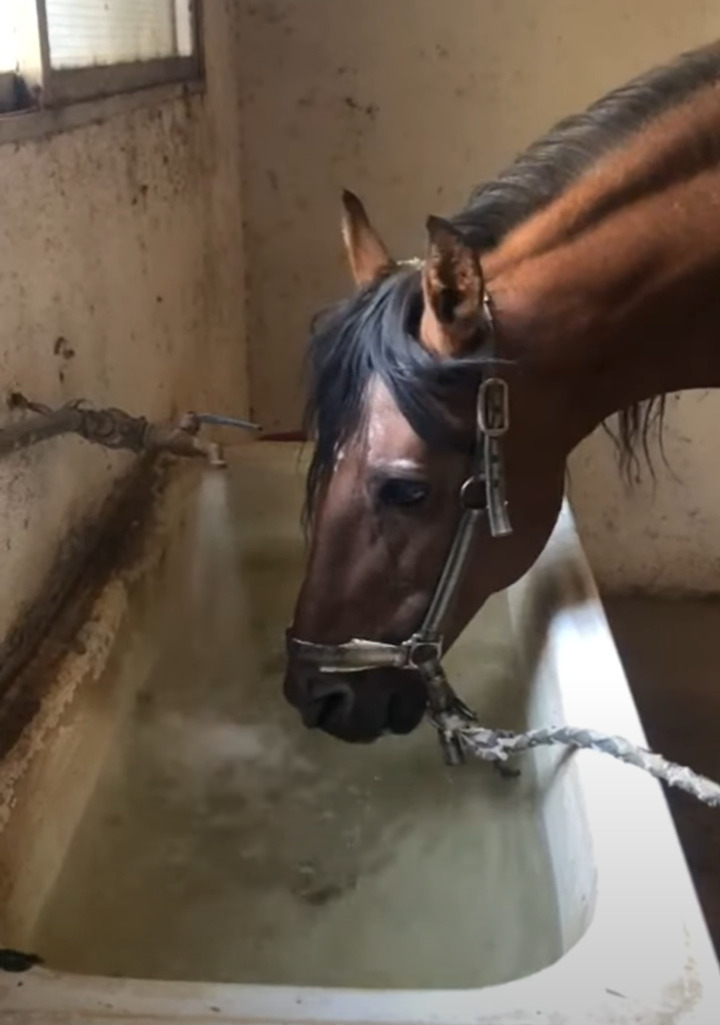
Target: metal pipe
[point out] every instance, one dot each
(111, 428)
(37, 428)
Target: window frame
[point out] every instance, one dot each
(67, 98)
(62, 86)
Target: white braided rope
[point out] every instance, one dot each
(499, 745)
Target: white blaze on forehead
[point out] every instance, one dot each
(390, 439)
(400, 465)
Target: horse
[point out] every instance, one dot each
(446, 393)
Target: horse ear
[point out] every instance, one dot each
(369, 259)
(453, 289)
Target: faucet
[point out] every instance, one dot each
(115, 429)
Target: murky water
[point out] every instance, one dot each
(225, 842)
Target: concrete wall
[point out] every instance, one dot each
(124, 238)
(412, 102)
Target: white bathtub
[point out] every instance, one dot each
(632, 945)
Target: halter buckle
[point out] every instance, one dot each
(493, 407)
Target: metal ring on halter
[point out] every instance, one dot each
(422, 652)
(472, 494)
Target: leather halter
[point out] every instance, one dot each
(482, 494)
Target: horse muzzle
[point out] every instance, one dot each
(357, 707)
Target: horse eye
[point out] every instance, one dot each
(402, 492)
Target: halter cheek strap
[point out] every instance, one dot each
(481, 495)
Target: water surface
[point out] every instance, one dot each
(225, 842)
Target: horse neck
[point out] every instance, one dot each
(612, 294)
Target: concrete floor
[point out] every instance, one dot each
(671, 653)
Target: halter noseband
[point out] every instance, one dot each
(482, 493)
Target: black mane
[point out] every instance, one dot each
(372, 333)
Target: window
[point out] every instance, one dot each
(55, 52)
(14, 93)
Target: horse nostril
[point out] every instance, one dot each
(326, 700)
(311, 715)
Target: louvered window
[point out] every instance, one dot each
(54, 52)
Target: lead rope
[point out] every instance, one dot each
(460, 730)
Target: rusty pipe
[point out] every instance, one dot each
(39, 427)
(111, 428)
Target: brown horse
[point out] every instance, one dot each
(587, 279)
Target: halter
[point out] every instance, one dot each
(482, 494)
